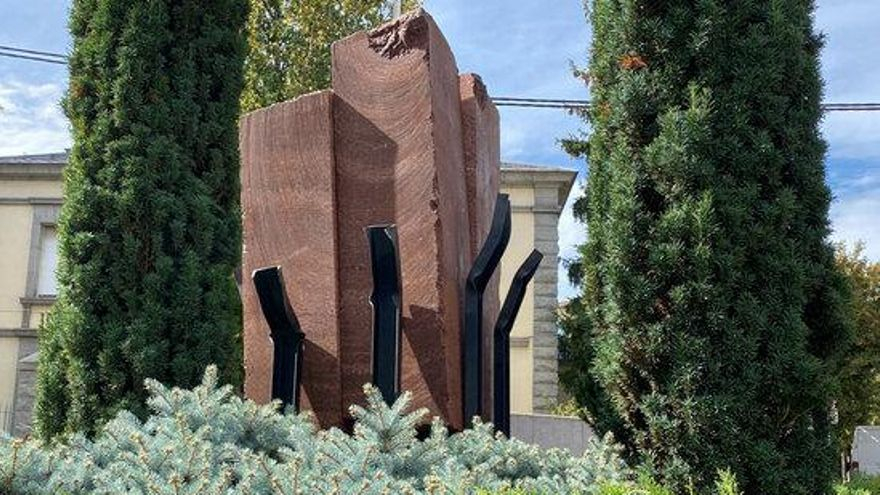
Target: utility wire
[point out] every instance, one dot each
(501, 101)
(32, 57)
(33, 52)
(585, 105)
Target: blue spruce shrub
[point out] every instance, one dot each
(208, 440)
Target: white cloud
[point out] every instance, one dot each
(852, 135)
(851, 69)
(855, 219)
(854, 210)
(571, 235)
(31, 120)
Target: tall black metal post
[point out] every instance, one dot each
(285, 332)
(472, 343)
(503, 326)
(385, 300)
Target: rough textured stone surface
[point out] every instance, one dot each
(25, 386)
(400, 125)
(289, 208)
(545, 341)
(394, 142)
(482, 162)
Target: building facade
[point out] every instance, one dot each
(30, 200)
(537, 196)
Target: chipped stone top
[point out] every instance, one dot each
(400, 35)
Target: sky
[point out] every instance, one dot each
(521, 48)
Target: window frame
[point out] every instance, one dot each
(44, 215)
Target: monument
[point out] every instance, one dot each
(404, 145)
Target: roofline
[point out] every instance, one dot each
(534, 167)
(44, 166)
(31, 171)
(562, 179)
(30, 167)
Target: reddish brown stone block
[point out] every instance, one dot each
(289, 208)
(482, 162)
(400, 124)
(400, 139)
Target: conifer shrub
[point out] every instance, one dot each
(712, 321)
(150, 229)
(860, 484)
(208, 440)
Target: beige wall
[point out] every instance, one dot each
(537, 195)
(15, 238)
(15, 227)
(20, 199)
(521, 243)
(26, 189)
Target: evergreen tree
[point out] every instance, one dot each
(859, 402)
(150, 227)
(713, 315)
(290, 44)
(208, 440)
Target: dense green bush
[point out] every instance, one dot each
(859, 485)
(150, 230)
(859, 399)
(209, 441)
(712, 319)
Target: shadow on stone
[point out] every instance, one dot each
(426, 344)
(318, 364)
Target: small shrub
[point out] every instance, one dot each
(726, 483)
(208, 440)
(859, 485)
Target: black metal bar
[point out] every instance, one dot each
(385, 300)
(472, 343)
(286, 334)
(503, 326)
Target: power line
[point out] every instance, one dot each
(32, 57)
(501, 101)
(496, 99)
(585, 105)
(33, 52)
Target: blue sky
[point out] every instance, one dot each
(520, 48)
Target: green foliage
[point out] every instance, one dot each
(568, 407)
(859, 401)
(149, 232)
(209, 441)
(859, 485)
(576, 352)
(290, 42)
(712, 319)
(726, 483)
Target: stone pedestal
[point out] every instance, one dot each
(399, 139)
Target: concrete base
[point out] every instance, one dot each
(546, 431)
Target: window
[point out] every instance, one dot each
(47, 284)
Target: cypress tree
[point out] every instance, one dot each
(150, 227)
(713, 316)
